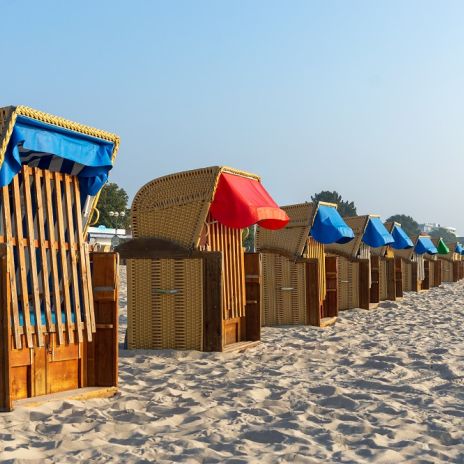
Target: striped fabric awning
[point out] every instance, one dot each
(54, 148)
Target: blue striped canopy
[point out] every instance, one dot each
(46, 146)
(402, 241)
(376, 235)
(459, 249)
(425, 245)
(329, 226)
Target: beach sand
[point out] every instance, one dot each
(382, 386)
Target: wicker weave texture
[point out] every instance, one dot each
(175, 207)
(284, 291)
(165, 304)
(447, 270)
(292, 238)
(407, 276)
(348, 284)
(350, 249)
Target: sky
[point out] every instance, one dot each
(362, 97)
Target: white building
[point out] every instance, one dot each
(104, 238)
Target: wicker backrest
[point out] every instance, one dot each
(175, 207)
(409, 253)
(350, 250)
(8, 117)
(292, 238)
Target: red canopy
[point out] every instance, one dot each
(240, 202)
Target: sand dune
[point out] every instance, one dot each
(384, 386)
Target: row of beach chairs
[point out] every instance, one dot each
(191, 284)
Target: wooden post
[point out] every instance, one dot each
(364, 290)
(5, 332)
(313, 309)
(212, 310)
(253, 282)
(102, 356)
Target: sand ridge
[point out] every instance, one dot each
(383, 386)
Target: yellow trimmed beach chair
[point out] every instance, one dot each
(58, 310)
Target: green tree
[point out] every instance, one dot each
(409, 225)
(248, 238)
(345, 208)
(113, 198)
(445, 234)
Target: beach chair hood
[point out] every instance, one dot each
(425, 245)
(37, 139)
(240, 202)
(401, 239)
(320, 221)
(442, 247)
(376, 235)
(329, 226)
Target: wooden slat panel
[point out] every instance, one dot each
(22, 260)
(74, 273)
(85, 270)
(43, 251)
(53, 255)
(12, 267)
(26, 173)
(63, 259)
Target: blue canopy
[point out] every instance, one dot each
(459, 249)
(425, 245)
(402, 241)
(50, 147)
(329, 226)
(376, 235)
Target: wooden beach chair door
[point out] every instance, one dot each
(50, 307)
(398, 269)
(330, 307)
(391, 278)
(428, 275)
(438, 273)
(375, 279)
(229, 242)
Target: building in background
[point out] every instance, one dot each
(431, 226)
(105, 239)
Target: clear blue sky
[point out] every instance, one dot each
(365, 97)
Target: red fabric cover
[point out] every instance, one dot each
(240, 202)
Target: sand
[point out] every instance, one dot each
(383, 386)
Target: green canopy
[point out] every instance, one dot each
(442, 248)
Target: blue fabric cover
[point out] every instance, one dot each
(51, 147)
(425, 245)
(32, 317)
(376, 235)
(459, 249)
(402, 241)
(329, 227)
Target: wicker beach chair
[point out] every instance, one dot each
(299, 280)
(358, 271)
(190, 284)
(58, 313)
